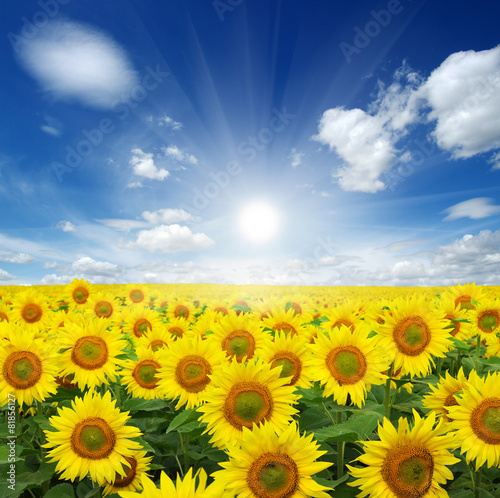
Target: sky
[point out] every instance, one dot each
(293, 142)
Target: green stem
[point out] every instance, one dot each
(387, 396)
(340, 451)
(478, 347)
(186, 456)
(477, 487)
(328, 413)
(439, 366)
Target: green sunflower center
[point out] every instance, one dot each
(287, 366)
(22, 369)
(93, 438)
(464, 302)
(488, 320)
(485, 421)
(181, 311)
(80, 295)
(145, 374)
(32, 313)
(141, 326)
(90, 352)
(411, 335)
(192, 373)
(136, 296)
(347, 364)
(103, 309)
(248, 403)
(239, 343)
(291, 365)
(285, 327)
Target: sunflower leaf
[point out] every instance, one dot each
(189, 415)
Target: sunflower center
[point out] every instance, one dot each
(66, 381)
(221, 309)
(343, 321)
(93, 438)
(296, 307)
(141, 326)
(456, 325)
(485, 421)
(347, 364)
(488, 320)
(248, 403)
(273, 475)
(408, 470)
(145, 374)
(464, 302)
(181, 311)
(157, 344)
(90, 352)
(136, 296)
(291, 366)
(177, 332)
(3, 317)
(80, 295)
(103, 309)
(130, 470)
(285, 327)
(32, 313)
(411, 335)
(239, 343)
(22, 369)
(192, 373)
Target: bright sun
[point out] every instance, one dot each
(258, 222)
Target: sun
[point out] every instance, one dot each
(259, 222)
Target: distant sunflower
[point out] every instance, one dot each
(348, 364)
(457, 327)
(204, 324)
(136, 294)
(287, 322)
(273, 465)
(91, 352)
(463, 295)
(30, 309)
(135, 470)
(476, 420)
(181, 309)
(103, 304)
(28, 366)
(177, 328)
(412, 334)
(155, 339)
(140, 377)
(5, 313)
(347, 314)
(186, 367)
(77, 293)
(243, 394)
(91, 438)
(406, 463)
(485, 318)
(138, 320)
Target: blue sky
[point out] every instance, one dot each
(133, 135)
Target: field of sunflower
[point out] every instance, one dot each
(249, 391)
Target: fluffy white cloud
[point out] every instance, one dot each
(172, 238)
(169, 123)
(73, 61)
(66, 226)
(175, 153)
(135, 185)
(88, 266)
(168, 216)
(296, 158)
(16, 257)
(464, 94)
(475, 209)
(143, 165)
(6, 276)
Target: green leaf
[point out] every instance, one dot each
(145, 405)
(184, 417)
(61, 491)
(355, 429)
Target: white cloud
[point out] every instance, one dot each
(169, 216)
(169, 123)
(6, 276)
(175, 153)
(66, 226)
(464, 93)
(123, 225)
(495, 160)
(73, 61)
(16, 257)
(135, 185)
(50, 130)
(143, 165)
(87, 268)
(51, 264)
(475, 209)
(172, 238)
(296, 158)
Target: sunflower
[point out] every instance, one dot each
(188, 487)
(287, 322)
(347, 314)
(90, 352)
(290, 354)
(187, 365)
(302, 306)
(347, 364)
(103, 304)
(177, 328)
(135, 470)
(270, 465)
(412, 334)
(138, 320)
(91, 437)
(243, 394)
(485, 318)
(219, 306)
(238, 335)
(406, 462)
(463, 295)
(136, 294)
(476, 418)
(456, 316)
(77, 293)
(30, 309)
(5, 313)
(28, 366)
(182, 309)
(155, 339)
(141, 377)
(205, 323)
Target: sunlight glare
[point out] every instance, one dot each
(258, 222)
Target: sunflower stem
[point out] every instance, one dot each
(477, 486)
(328, 413)
(478, 347)
(387, 396)
(340, 451)
(439, 366)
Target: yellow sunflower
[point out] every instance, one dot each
(238, 335)
(181, 308)
(141, 377)
(135, 470)
(287, 322)
(5, 313)
(412, 333)
(270, 465)
(406, 462)
(138, 320)
(243, 394)
(137, 294)
(155, 339)
(476, 420)
(348, 364)
(291, 354)
(462, 295)
(177, 328)
(347, 314)
(103, 304)
(91, 438)
(456, 315)
(186, 367)
(485, 318)
(30, 309)
(90, 352)
(77, 293)
(205, 323)
(28, 366)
